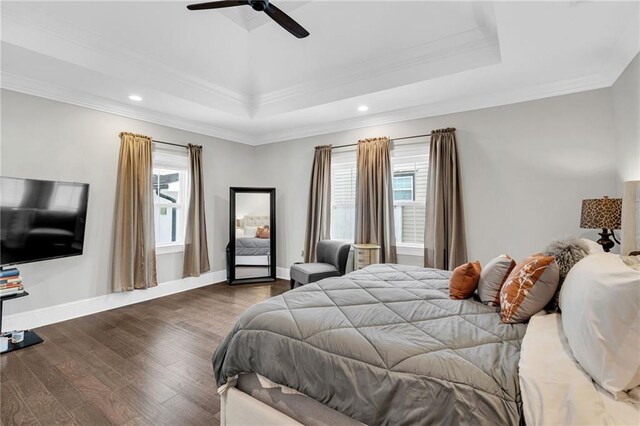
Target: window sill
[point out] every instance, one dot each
(169, 248)
(404, 249)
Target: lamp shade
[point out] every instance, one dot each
(601, 213)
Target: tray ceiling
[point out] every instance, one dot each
(235, 74)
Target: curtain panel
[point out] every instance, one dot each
(374, 197)
(445, 244)
(196, 252)
(134, 245)
(319, 204)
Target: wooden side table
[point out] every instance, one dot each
(365, 255)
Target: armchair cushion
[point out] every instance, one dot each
(306, 273)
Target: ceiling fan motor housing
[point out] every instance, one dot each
(259, 5)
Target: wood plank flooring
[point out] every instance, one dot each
(143, 364)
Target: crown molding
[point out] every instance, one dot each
(452, 48)
(67, 95)
(566, 87)
(53, 27)
(71, 96)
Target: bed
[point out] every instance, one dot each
(556, 390)
(382, 345)
(251, 250)
(252, 246)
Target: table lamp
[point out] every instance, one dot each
(602, 213)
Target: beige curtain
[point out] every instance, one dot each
(445, 246)
(134, 245)
(319, 205)
(196, 252)
(374, 197)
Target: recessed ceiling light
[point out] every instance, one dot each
(363, 108)
(135, 98)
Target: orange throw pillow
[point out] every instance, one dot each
(263, 232)
(464, 280)
(529, 287)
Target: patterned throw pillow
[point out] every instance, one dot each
(493, 276)
(464, 280)
(529, 287)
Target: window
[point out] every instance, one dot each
(169, 196)
(404, 186)
(343, 196)
(410, 164)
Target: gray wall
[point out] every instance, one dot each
(525, 169)
(44, 139)
(625, 94)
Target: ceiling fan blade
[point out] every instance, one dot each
(285, 21)
(217, 4)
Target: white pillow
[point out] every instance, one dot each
(600, 302)
(592, 246)
(250, 231)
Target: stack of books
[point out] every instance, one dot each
(10, 282)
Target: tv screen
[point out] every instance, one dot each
(41, 219)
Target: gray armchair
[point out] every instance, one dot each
(331, 262)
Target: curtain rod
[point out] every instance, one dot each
(392, 140)
(171, 143)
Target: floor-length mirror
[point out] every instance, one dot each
(252, 238)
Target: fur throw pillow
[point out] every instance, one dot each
(567, 253)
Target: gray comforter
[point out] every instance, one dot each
(383, 345)
(251, 246)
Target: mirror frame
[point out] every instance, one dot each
(231, 264)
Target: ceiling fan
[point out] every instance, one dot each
(284, 20)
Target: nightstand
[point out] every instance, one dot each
(365, 255)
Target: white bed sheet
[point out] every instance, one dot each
(555, 390)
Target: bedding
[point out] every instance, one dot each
(250, 246)
(299, 407)
(250, 231)
(567, 253)
(464, 280)
(492, 277)
(528, 289)
(556, 390)
(600, 303)
(383, 345)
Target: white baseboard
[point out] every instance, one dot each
(66, 311)
(79, 308)
(282, 273)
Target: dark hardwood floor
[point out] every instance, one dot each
(143, 364)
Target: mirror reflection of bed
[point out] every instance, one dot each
(252, 246)
(252, 235)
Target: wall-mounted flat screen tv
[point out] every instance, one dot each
(41, 219)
